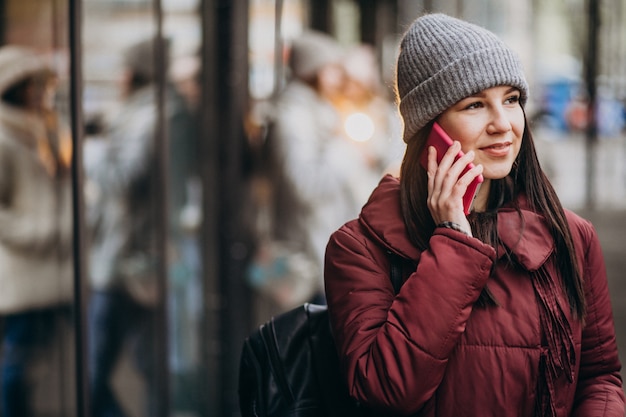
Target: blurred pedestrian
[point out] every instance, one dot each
(35, 220)
(505, 312)
(313, 173)
(119, 167)
(369, 116)
(185, 301)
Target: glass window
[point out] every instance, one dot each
(143, 202)
(36, 249)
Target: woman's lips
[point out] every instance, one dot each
(497, 149)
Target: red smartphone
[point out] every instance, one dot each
(441, 141)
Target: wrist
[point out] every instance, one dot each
(454, 226)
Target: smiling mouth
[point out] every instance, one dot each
(498, 146)
(497, 149)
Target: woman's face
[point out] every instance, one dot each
(491, 123)
(39, 92)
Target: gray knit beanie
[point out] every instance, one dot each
(139, 57)
(443, 60)
(311, 51)
(18, 63)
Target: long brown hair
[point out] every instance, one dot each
(527, 178)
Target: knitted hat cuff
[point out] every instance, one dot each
(312, 51)
(17, 64)
(472, 73)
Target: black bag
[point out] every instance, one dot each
(289, 366)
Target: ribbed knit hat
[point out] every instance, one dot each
(139, 57)
(443, 60)
(18, 63)
(311, 51)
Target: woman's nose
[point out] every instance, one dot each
(499, 121)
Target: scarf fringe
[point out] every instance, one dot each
(559, 356)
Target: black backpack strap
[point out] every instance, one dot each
(289, 365)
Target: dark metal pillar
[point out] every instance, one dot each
(80, 281)
(3, 18)
(591, 70)
(320, 12)
(227, 298)
(378, 20)
(369, 20)
(209, 174)
(160, 177)
(278, 46)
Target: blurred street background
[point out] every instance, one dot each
(563, 160)
(170, 104)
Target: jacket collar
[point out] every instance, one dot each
(382, 216)
(526, 235)
(523, 233)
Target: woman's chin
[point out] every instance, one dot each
(496, 173)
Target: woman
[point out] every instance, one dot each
(505, 312)
(35, 224)
(311, 171)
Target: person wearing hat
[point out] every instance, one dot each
(367, 104)
(35, 220)
(119, 170)
(313, 171)
(503, 312)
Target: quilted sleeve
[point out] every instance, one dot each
(394, 349)
(599, 391)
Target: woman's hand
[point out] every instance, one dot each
(446, 188)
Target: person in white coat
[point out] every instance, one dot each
(119, 168)
(317, 177)
(35, 219)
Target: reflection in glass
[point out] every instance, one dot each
(123, 256)
(125, 192)
(36, 276)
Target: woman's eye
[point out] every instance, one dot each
(473, 105)
(514, 99)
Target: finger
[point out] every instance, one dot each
(468, 172)
(459, 166)
(449, 171)
(432, 172)
(448, 158)
(441, 169)
(432, 161)
(471, 174)
(453, 186)
(465, 160)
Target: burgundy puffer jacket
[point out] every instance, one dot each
(429, 351)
